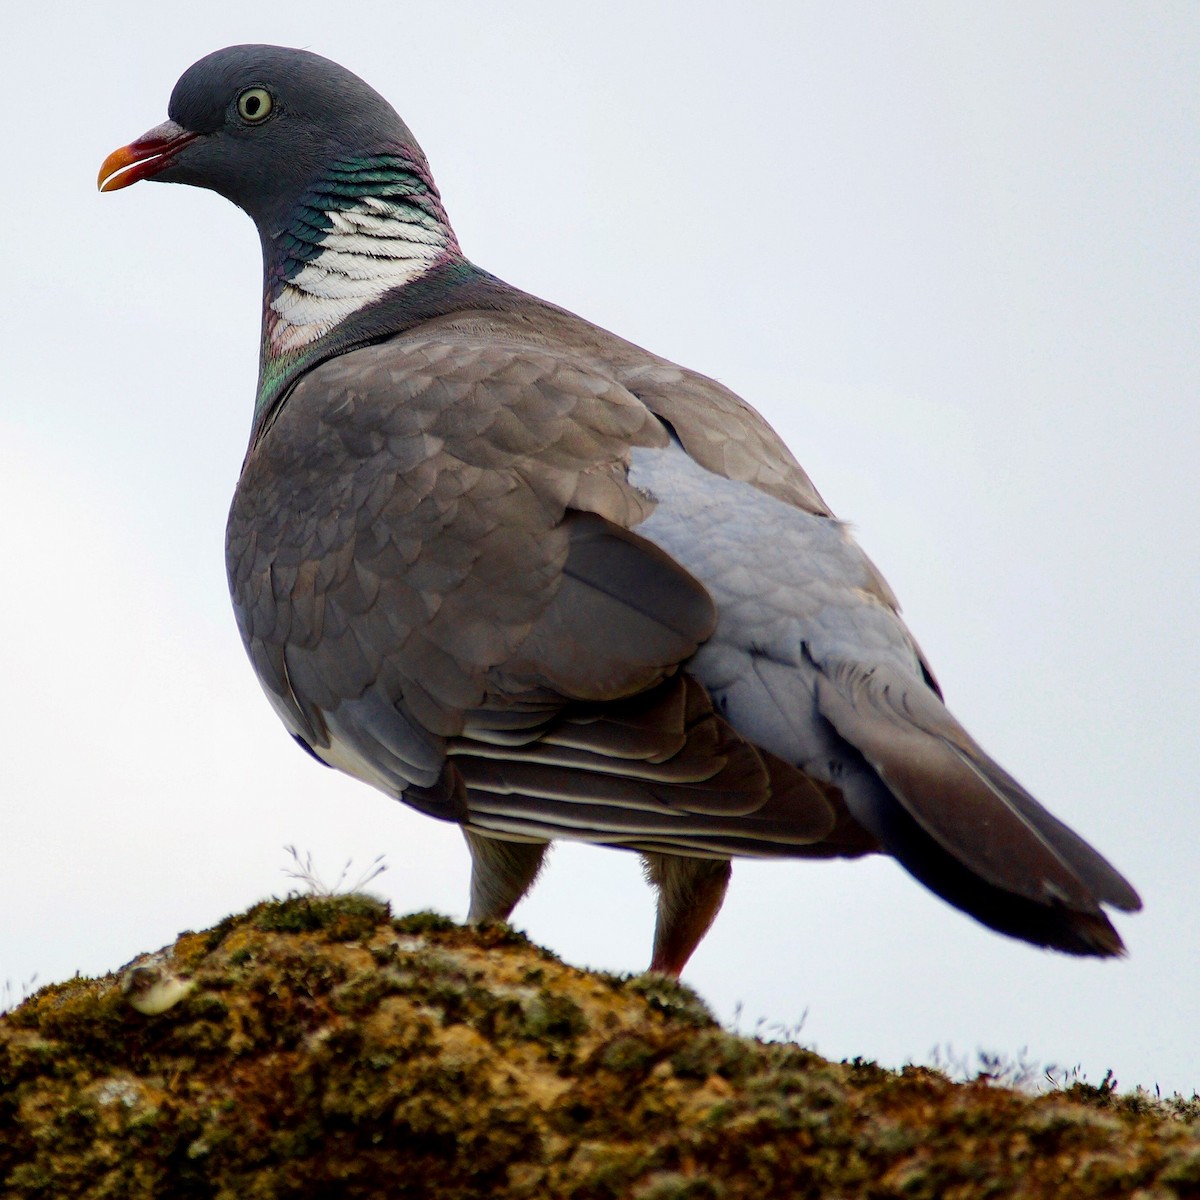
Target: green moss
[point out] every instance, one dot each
(630, 1054)
(328, 1049)
(714, 1052)
(341, 918)
(675, 1000)
(553, 1018)
(423, 922)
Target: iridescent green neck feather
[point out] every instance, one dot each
(374, 224)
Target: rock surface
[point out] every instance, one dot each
(318, 1047)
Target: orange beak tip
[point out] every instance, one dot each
(110, 177)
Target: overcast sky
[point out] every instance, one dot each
(949, 250)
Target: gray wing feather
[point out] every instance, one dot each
(432, 570)
(811, 661)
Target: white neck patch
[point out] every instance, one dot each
(375, 246)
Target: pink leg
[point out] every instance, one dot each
(690, 892)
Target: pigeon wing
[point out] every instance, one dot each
(434, 575)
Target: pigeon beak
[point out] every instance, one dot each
(147, 156)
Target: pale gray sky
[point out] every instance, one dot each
(949, 250)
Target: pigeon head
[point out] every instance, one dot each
(259, 125)
(342, 195)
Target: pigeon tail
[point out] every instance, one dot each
(963, 826)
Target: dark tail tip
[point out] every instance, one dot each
(1052, 924)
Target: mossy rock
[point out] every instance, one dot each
(317, 1047)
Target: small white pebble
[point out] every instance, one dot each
(151, 987)
(123, 1091)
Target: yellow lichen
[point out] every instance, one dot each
(325, 1048)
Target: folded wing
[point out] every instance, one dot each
(811, 661)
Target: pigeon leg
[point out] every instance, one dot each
(501, 873)
(690, 892)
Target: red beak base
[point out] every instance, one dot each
(147, 156)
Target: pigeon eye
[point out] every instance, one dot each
(255, 104)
